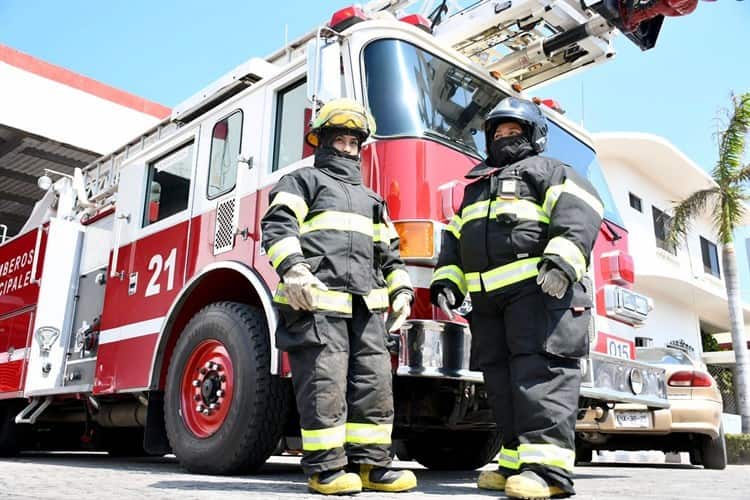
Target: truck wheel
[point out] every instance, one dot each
(584, 455)
(125, 442)
(713, 451)
(223, 410)
(453, 450)
(9, 430)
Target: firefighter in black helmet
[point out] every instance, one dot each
(332, 243)
(520, 246)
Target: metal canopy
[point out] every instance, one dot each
(23, 158)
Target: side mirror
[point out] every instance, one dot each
(323, 70)
(245, 160)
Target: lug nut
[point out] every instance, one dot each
(219, 393)
(214, 406)
(200, 408)
(203, 371)
(223, 378)
(196, 383)
(206, 411)
(218, 367)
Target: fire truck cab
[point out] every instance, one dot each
(135, 305)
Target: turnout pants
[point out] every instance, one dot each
(341, 372)
(528, 344)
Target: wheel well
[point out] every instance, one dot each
(217, 285)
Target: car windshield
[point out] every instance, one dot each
(663, 356)
(412, 93)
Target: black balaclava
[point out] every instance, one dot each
(506, 150)
(333, 162)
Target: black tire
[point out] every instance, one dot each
(713, 451)
(453, 450)
(10, 432)
(254, 422)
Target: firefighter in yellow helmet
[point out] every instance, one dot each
(332, 243)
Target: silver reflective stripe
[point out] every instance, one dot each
(338, 221)
(475, 211)
(523, 209)
(397, 279)
(323, 439)
(473, 282)
(569, 252)
(452, 273)
(295, 203)
(454, 227)
(377, 299)
(368, 433)
(323, 300)
(580, 193)
(511, 273)
(283, 249)
(547, 454)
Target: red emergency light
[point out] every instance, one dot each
(346, 17)
(617, 267)
(418, 21)
(550, 103)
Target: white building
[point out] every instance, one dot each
(52, 118)
(646, 175)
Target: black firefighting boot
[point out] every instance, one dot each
(385, 479)
(492, 480)
(530, 486)
(335, 482)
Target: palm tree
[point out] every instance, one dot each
(726, 204)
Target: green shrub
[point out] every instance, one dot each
(738, 448)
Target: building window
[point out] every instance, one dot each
(710, 257)
(635, 202)
(292, 113)
(168, 188)
(662, 223)
(226, 138)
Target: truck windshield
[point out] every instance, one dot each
(412, 93)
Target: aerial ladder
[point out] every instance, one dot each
(525, 42)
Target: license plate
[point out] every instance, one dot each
(633, 419)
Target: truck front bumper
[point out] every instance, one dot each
(442, 349)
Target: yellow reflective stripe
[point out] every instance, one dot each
(453, 274)
(473, 282)
(572, 188)
(547, 454)
(475, 211)
(550, 198)
(283, 249)
(377, 299)
(523, 209)
(510, 273)
(454, 226)
(338, 221)
(380, 233)
(396, 279)
(323, 300)
(295, 203)
(569, 252)
(504, 275)
(368, 433)
(509, 459)
(323, 439)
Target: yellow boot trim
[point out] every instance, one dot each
(407, 481)
(348, 484)
(522, 487)
(491, 480)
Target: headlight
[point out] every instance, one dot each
(636, 381)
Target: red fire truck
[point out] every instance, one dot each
(135, 304)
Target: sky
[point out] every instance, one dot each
(167, 50)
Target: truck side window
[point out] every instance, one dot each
(226, 139)
(168, 185)
(292, 114)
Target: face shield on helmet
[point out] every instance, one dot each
(345, 116)
(523, 112)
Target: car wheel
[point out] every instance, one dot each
(714, 451)
(584, 455)
(453, 450)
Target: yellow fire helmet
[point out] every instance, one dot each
(345, 114)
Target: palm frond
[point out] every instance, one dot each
(732, 140)
(686, 210)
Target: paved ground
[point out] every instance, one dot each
(97, 476)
